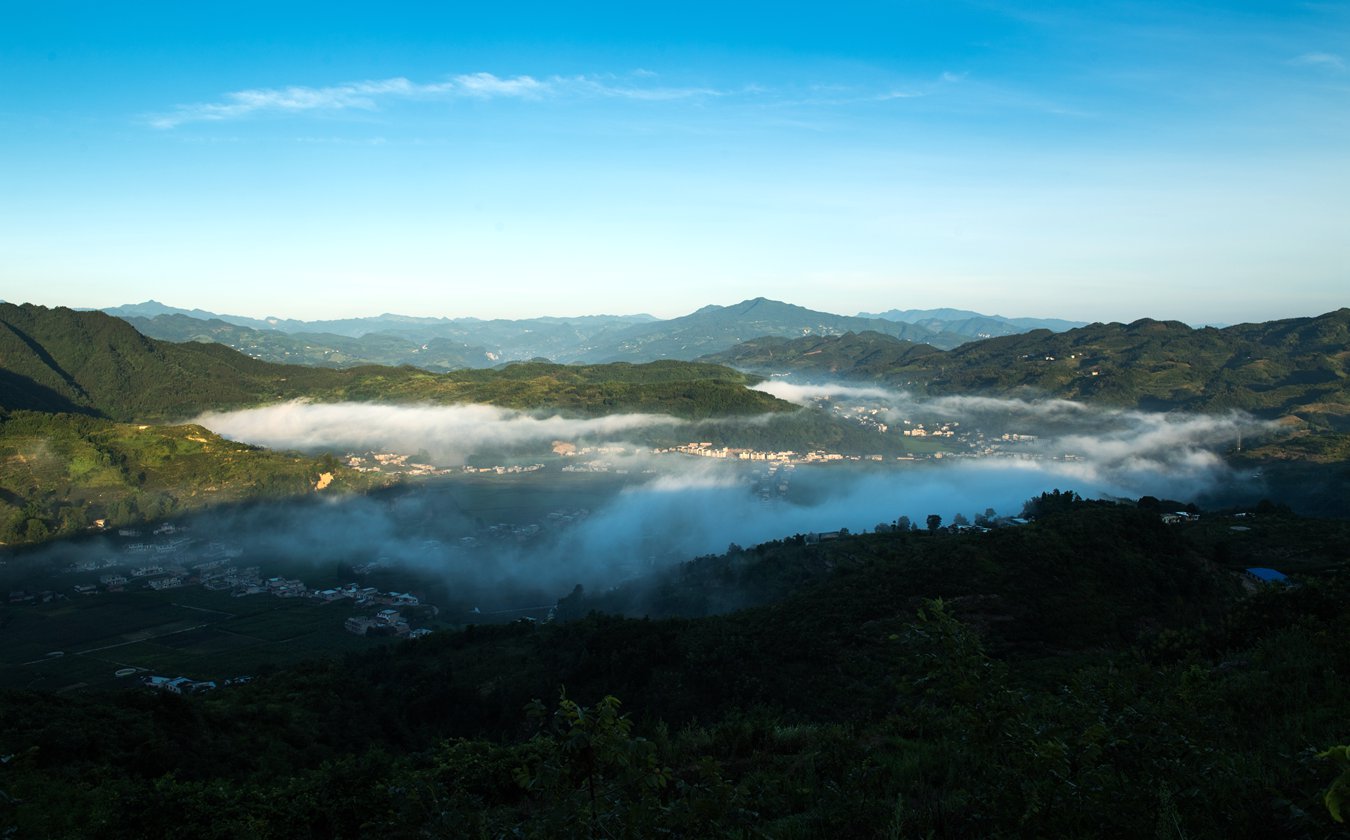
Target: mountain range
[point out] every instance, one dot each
(441, 344)
(62, 360)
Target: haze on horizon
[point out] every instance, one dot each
(1098, 164)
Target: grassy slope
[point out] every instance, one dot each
(60, 473)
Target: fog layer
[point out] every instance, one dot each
(673, 507)
(446, 432)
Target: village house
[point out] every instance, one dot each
(177, 685)
(1265, 576)
(358, 624)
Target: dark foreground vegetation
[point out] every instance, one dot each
(1096, 673)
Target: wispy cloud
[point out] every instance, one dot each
(364, 95)
(488, 86)
(1325, 61)
(368, 95)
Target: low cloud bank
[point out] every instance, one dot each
(446, 432)
(807, 394)
(1104, 450)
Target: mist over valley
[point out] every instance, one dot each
(511, 509)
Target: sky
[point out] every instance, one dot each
(1098, 162)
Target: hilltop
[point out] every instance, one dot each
(716, 327)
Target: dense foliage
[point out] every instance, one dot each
(1093, 674)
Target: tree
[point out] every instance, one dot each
(572, 606)
(591, 771)
(934, 522)
(903, 524)
(1337, 797)
(1050, 503)
(960, 519)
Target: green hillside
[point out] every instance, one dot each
(682, 389)
(1298, 367)
(1095, 674)
(88, 362)
(866, 355)
(61, 474)
(92, 363)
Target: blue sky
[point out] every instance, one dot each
(1103, 161)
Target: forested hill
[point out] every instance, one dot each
(60, 360)
(1094, 674)
(1298, 366)
(91, 363)
(866, 355)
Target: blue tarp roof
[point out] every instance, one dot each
(1266, 574)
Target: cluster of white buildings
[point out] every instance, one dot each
(946, 430)
(178, 685)
(390, 462)
(399, 464)
(387, 622)
(504, 470)
(705, 449)
(868, 418)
